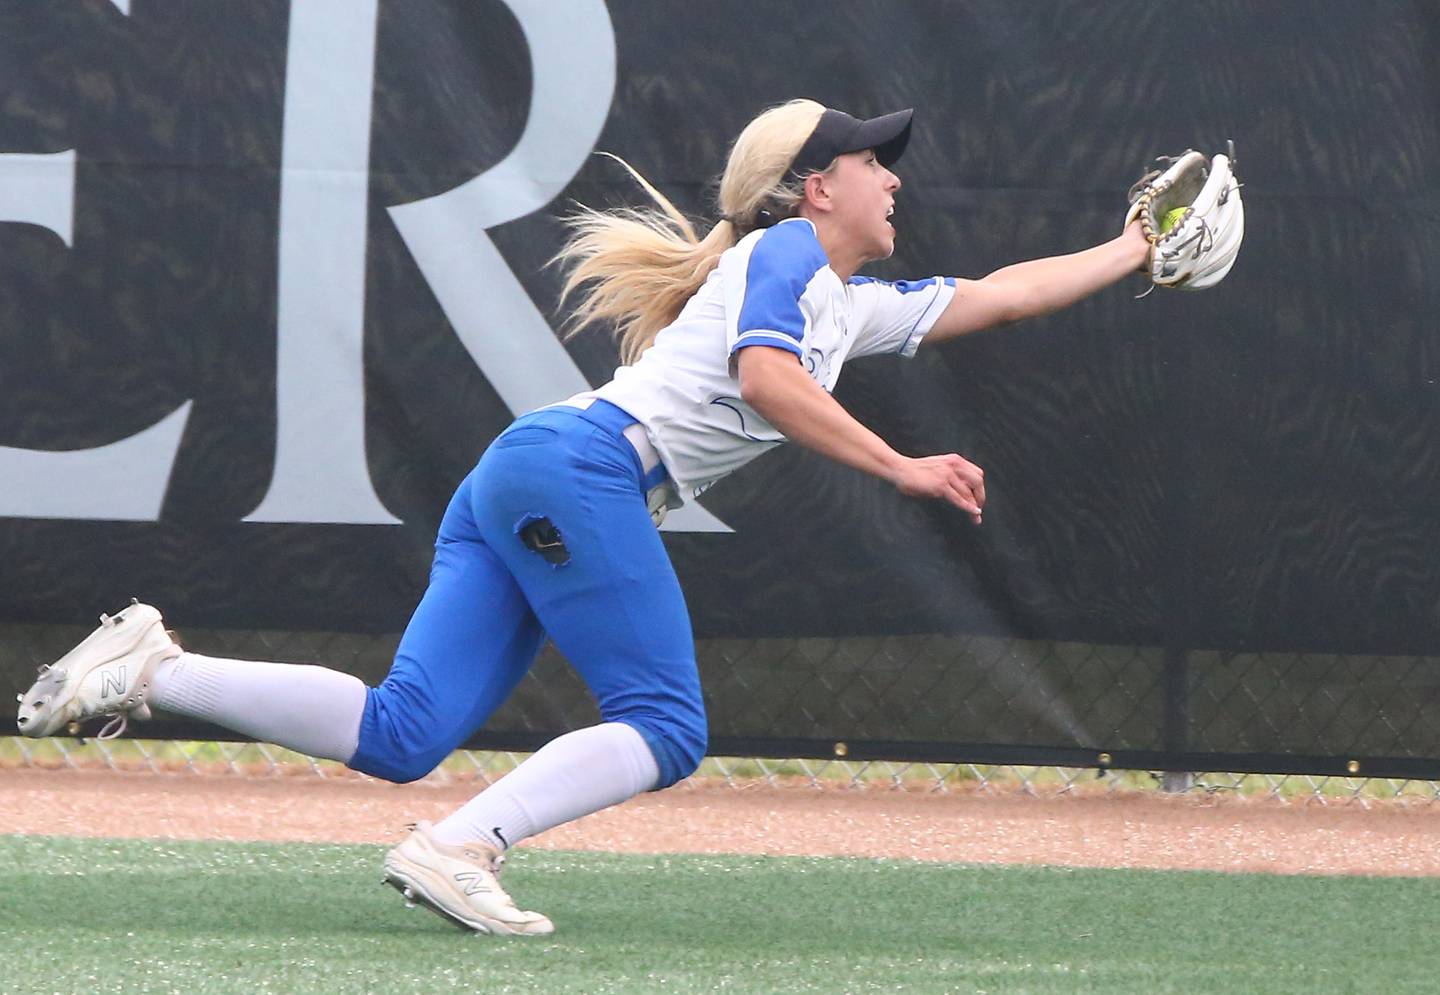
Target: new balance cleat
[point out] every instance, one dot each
(461, 883)
(108, 674)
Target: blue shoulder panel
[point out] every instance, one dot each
(780, 267)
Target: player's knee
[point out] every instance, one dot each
(677, 743)
(690, 751)
(394, 743)
(398, 767)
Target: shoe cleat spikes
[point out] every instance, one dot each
(73, 729)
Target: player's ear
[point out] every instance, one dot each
(817, 192)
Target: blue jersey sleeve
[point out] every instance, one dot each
(780, 266)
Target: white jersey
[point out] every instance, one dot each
(775, 288)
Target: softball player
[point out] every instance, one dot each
(732, 344)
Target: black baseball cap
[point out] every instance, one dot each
(837, 133)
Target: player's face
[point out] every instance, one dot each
(864, 198)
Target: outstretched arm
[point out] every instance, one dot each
(1039, 286)
(774, 384)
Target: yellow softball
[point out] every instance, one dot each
(1172, 218)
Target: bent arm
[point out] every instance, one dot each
(774, 384)
(1038, 286)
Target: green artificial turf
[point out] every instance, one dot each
(98, 916)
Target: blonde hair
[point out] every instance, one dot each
(636, 267)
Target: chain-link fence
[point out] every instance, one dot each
(481, 767)
(920, 712)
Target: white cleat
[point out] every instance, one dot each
(109, 673)
(461, 883)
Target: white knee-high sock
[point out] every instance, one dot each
(576, 774)
(298, 706)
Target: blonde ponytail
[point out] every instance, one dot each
(635, 268)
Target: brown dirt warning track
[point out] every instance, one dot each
(1114, 829)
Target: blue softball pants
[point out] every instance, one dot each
(615, 609)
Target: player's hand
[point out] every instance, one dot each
(1140, 245)
(949, 477)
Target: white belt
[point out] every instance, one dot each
(644, 448)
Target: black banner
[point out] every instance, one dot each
(274, 275)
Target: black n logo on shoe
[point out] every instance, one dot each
(112, 682)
